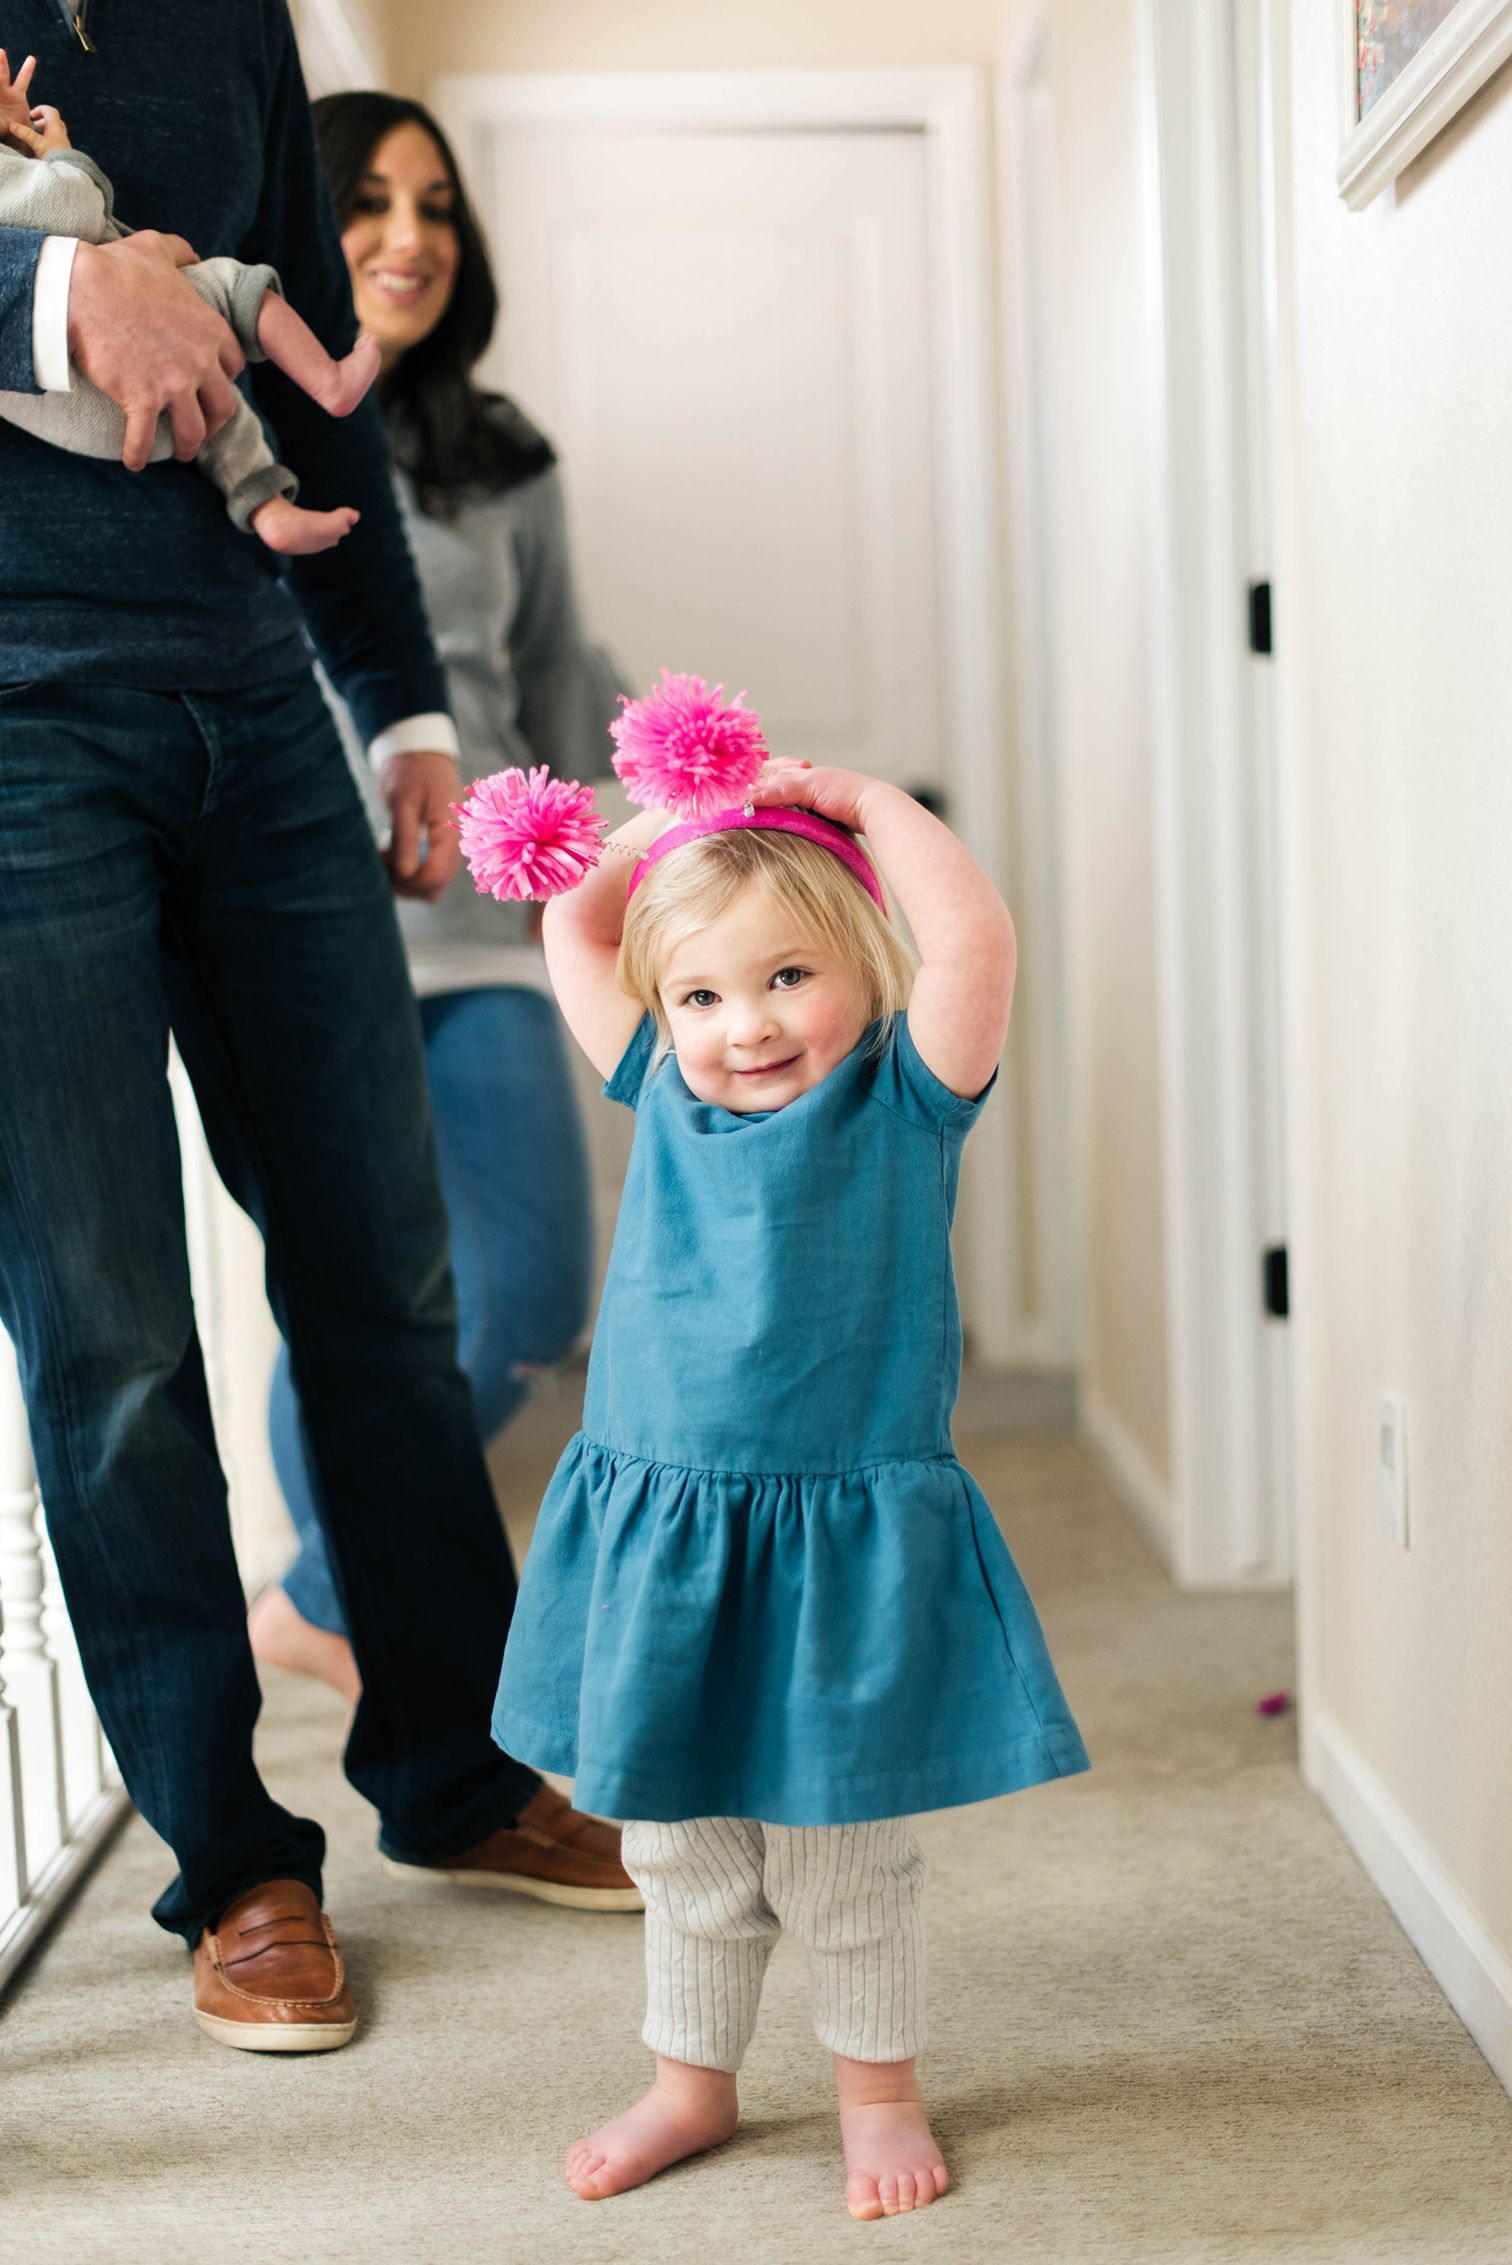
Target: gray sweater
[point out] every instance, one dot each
(525, 686)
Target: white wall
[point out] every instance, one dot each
(639, 35)
(1394, 633)
(1101, 501)
(341, 44)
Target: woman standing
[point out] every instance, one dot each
(483, 509)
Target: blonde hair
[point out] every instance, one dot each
(692, 887)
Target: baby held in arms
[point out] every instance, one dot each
(48, 186)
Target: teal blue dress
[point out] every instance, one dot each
(761, 1584)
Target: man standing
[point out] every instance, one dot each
(181, 846)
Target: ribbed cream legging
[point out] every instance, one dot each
(719, 1891)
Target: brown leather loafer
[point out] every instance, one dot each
(550, 1852)
(268, 1979)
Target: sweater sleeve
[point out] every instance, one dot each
(20, 249)
(569, 689)
(361, 601)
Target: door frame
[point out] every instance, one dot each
(1219, 885)
(949, 107)
(1052, 1338)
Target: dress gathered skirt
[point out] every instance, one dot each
(761, 1583)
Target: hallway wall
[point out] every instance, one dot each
(1397, 341)
(617, 35)
(1101, 485)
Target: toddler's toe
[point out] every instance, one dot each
(861, 2196)
(584, 2162)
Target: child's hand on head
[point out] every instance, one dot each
(834, 794)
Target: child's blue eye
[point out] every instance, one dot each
(701, 999)
(788, 978)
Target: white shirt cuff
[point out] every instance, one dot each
(435, 734)
(50, 365)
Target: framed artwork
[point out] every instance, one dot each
(1405, 68)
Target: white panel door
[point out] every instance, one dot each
(727, 335)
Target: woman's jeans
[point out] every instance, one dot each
(514, 1171)
(202, 861)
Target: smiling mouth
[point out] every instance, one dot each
(399, 286)
(768, 1069)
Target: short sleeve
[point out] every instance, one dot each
(904, 1083)
(630, 1071)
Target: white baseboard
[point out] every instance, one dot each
(1142, 1489)
(1443, 1930)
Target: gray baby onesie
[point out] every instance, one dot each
(66, 194)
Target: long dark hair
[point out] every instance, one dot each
(447, 435)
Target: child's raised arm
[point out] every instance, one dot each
(582, 936)
(958, 1012)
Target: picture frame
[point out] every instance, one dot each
(1428, 60)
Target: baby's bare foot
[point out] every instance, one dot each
(685, 2111)
(348, 380)
(891, 2161)
(299, 534)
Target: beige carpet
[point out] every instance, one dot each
(1175, 2025)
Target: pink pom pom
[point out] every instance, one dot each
(529, 837)
(682, 749)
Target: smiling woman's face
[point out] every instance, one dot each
(400, 243)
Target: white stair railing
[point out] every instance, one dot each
(60, 1797)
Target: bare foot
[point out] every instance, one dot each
(339, 392)
(298, 534)
(284, 1638)
(891, 2161)
(685, 2111)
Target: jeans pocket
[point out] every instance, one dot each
(10, 692)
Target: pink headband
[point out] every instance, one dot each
(781, 819)
(682, 748)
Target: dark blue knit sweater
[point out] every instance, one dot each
(197, 111)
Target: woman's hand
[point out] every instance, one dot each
(420, 788)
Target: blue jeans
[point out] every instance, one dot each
(514, 1172)
(202, 862)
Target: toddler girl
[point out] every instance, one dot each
(766, 1614)
(48, 186)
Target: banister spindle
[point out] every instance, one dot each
(31, 1676)
(83, 1747)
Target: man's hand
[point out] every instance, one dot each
(420, 789)
(143, 335)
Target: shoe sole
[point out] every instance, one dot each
(518, 1883)
(276, 2036)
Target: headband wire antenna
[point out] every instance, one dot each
(526, 838)
(686, 749)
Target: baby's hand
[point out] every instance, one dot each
(32, 131)
(15, 110)
(47, 131)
